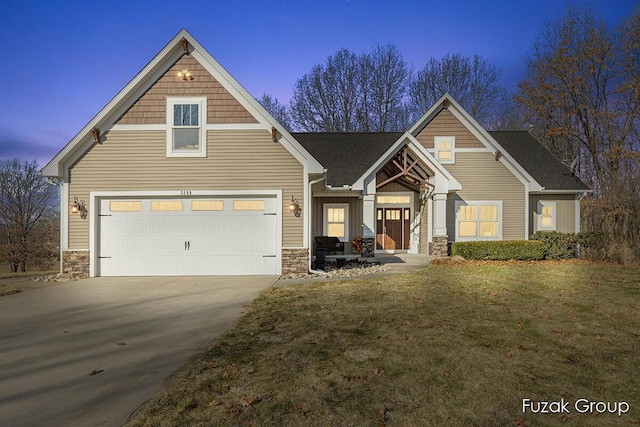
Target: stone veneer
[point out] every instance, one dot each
(75, 263)
(439, 246)
(295, 261)
(368, 247)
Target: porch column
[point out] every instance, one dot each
(439, 246)
(368, 225)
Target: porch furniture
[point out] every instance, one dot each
(331, 244)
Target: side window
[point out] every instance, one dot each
(546, 215)
(186, 133)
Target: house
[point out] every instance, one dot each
(184, 173)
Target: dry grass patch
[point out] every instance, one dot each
(8, 290)
(458, 344)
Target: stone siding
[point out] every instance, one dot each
(295, 261)
(75, 263)
(439, 246)
(368, 247)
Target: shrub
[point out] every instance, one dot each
(500, 250)
(557, 245)
(594, 245)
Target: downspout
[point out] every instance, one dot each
(315, 181)
(58, 183)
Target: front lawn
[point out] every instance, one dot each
(458, 344)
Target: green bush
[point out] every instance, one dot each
(500, 250)
(557, 245)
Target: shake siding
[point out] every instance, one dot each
(355, 217)
(484, 178)
(222, 107)
(566, 211)
(446, 124)
(237, 160)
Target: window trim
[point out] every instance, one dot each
(325, 217)
(202, 122)
(436, 149)
(554, 215)
(478, 204)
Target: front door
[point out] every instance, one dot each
(393, 227)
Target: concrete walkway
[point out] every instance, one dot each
(131, 333)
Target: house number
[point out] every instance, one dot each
(185, 192)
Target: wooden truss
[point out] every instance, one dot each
(407, 169)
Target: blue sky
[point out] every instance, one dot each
(64, 60)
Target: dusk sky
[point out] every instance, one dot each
(64, 60)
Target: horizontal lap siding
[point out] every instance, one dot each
(446, 124)
(484, 178)
(222, 107)
(566, 211)
(236, 160)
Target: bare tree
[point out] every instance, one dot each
(384, 80)
(473, 82)
(276, 109)
(353, 93)
(27, 212)
(582, 93)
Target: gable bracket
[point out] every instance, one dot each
(96, 135)
(185, 46)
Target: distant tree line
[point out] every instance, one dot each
(580, 97)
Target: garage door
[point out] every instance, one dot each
(187, 236)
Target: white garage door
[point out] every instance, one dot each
(188, 236)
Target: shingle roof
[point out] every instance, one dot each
(539, 162)
(346, 155)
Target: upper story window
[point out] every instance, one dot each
(186, 133)
(444, 148)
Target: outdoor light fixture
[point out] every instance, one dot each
(294, 206)
(78, 206)
(185, 75)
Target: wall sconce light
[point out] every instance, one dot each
(78, 207)
(294, 206)
(185, 75)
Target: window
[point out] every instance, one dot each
(248, 205)
(207, 205)
(393, 200)
(336, 220)
(546, 215)
(125, 206)
(186, 134)
(478, 220)
(166, 205)
(444, 147)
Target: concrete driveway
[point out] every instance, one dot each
(131, 332)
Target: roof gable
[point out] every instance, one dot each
(448, 103)
(145, 79)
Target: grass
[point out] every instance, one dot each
(458, 344)
(5, 273)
